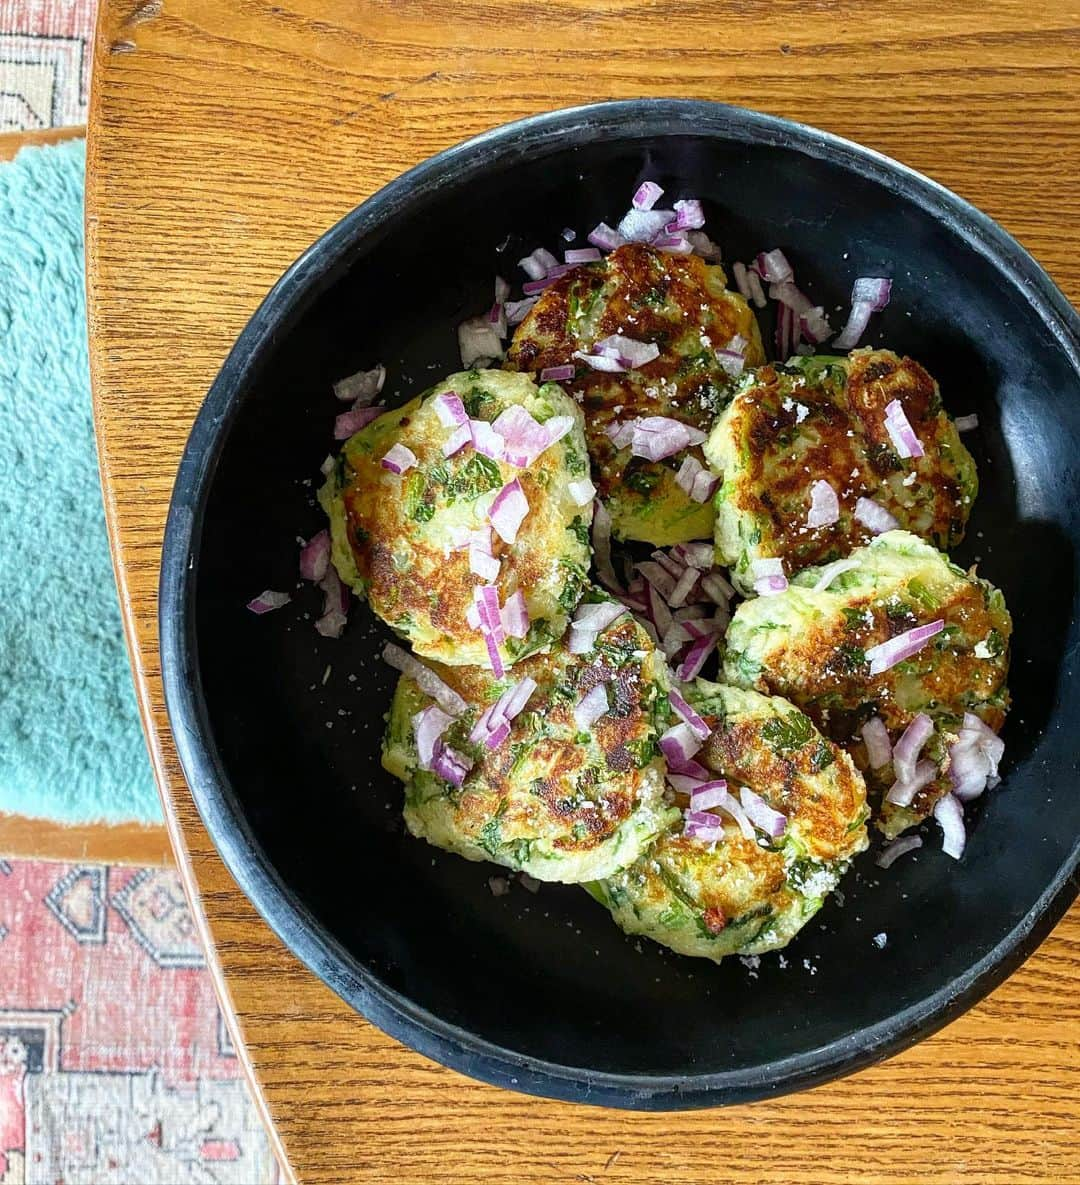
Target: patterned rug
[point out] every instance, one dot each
(115, 1065)
(44, 63)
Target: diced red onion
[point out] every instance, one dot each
(705, 827)
(689, 769)
(604, 237)
(657, 611)
(457, 440)
(900, 431)
(704, 627)
(642, 226)
(824, 505)
(695, 658)
(704, 246)
(887, 654)
(773, 266)
(315, 556)
(674, 640)
(428, 725)
(560, 269)
(698, 555)
(481, 559)
(591, 707)
(478, 342)
(966, 423)
(740, 279)
(674, 244)
(815, 326)
(601, 362)
(581, 491)
(783, 339)
(706, 795)
(450, 764)
(425, 678)
(486, 440)
(731, 362)
(502, 290)
(557, 374)
(518, 310)
(732, 807)
(949, 813)
(646, 196)
(267, 601)
(582, 255)
(515, 615)
(535, 287)
(508, 511)
(350, 422)
(974, 758)
(787, 294)
(716, 588)
(907, 749)
(867, 296)
(758, 811)
(688, 216)
(657, 437)
(757, 293)
(876, 738)
(830, 572)
(493, 725)
(450, 410)
(335, 604)
(874, 517)
(903, 793)
(679, 743)
(497, 319)
(361, 388)
(683, 587)
(595, 617)
(601, 541)
(327, 467)
(892, 852)
(688, 715)
(685, 783)
(621, 432)
(630, 352)
(524, 438)
(399, 458)
(537, 263)
(568, 234)
(769, 578)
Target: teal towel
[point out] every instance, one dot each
(71, 747)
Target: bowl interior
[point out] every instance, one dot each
(295, 720)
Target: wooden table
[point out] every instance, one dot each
(224, 137)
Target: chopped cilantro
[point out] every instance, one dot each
(477, 476)
(580, 528)
(789, 732)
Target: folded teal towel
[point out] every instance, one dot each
(71, 747)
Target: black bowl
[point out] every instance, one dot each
(542, 993)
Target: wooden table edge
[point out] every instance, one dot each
(172, 825)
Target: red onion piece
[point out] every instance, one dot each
(335, 604)
(591, 707)
(596, 617)
(481, 559)
(815, 326)
(757, 293)
(868, 295)
(688, 215)
(887, 654)
(698, 555)
(428, 726)
(874, 517)
(741, 282)
(451, 765)
(704, 246)
(600, 362)
(502, 290)
(674, 640)
(581, 491)
(903, 793)
(425, 678)
(267, 601)
(769, 578)
(966, 423)
(450, 410)
(628, 350)
(673, 244)
(679, 743)
(684, 783)
(907, 749)
(399, 459)
(705, 795)
(688, 715)
(892, 852)
(773, 266)
(699, 827)
(538, 263)
(524, 439)
(518, 310)
(683, 588)
(315, 556)
(497, 319)
(657, 611)
(758, 811)
(535, 287)
(604, 237)
(361, 388)
(783, 339)
(646, 196)
(689, 470)
(900, 431)
(824, 505)
(515, 616)
(557, 374)
(876, 738)
(486, 440)
(657, 437)
(830, 572)
(787, 294)
(508, 511)
(601, 541)
(695, 658)
(658, 576)
(350, 422)
(478, 342)
(581, 255)
(950, 816)
(493, 725)
(716, 588)
(731, 362)
(689, 769)
(457, 440)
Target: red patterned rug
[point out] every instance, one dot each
(115, 1066)
(44, 62)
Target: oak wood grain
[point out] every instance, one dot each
(26, 838)
(223, 139)
(11, 142)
